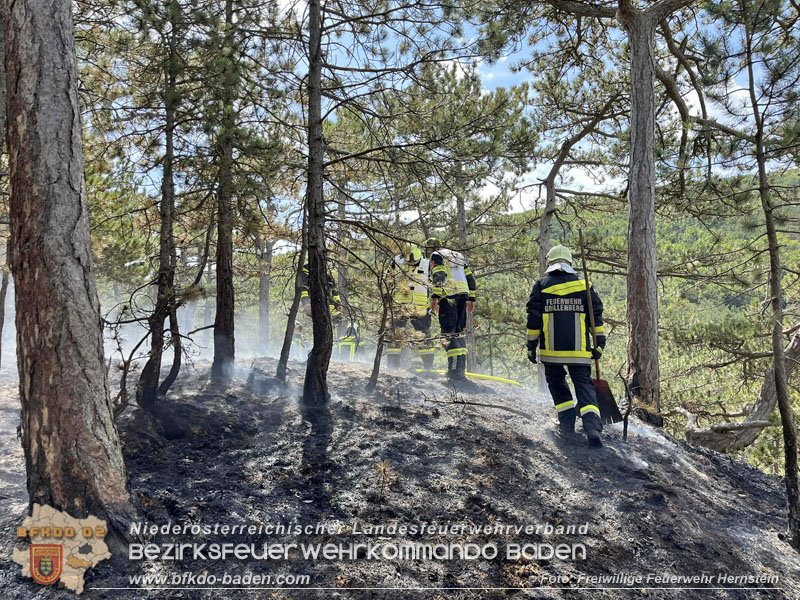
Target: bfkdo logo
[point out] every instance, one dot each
(46, 562)
(62, 548)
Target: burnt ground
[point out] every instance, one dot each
(247, 453)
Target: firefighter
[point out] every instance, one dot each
(453, 295)
(297, 341)
(334, 300)
(558, 324)
(349, 343)
(410, 305)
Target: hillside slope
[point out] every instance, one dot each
(412, 453)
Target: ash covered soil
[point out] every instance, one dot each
(412, 452)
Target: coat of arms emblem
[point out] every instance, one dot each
(46, 563)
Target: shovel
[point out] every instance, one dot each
(609, 411)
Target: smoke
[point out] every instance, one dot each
(8, 341)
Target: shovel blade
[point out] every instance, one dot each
(609, 411)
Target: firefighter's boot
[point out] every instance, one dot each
(460, 373)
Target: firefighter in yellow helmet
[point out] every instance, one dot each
(334, 300)
(452, 296)
(334, 303)
(410, 305)
(558, 326)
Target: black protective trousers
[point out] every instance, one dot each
(453, 321)
(425, 347)
(581, 376)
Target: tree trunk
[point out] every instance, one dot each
(3, 83)
(147, 390)
(642, 314)
(177, 352)
(73, 455)
(315, 388)
(546, 222)
(264, 285)
(224, 352)
(208, 306)
(288, 335)
(3, 91)
(781, 382)
(372, 383)
(472, 344)
(776, 293)
(341, 268)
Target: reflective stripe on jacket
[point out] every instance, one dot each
(451, 275)
(334, 300)
(410, 282)
(558, 319)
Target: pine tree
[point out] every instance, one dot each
(72, 449)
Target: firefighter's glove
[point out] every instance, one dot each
(597, 353)
(532, 356)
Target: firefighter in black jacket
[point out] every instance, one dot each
(558, 324)
(334, 301)
(452, 297)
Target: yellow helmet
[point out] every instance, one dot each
(432, 244)
(559, 254)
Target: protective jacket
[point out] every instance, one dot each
(410, 306)
(558, 320)
(410, 296)
(451, 275)
(349, 343)
(334, 301)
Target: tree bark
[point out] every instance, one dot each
(315, 387)
(288, 335)
(208, 306)
(546, 222)
(341, 268)
(73, 455)
(779, 369)
(642, 288)
(147, 390)
(3, 93)
(372, 382)
(224, 345)
(177, 352)
(776, 292)
(264, 286)
(3, 83)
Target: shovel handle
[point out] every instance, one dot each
(590, 310)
